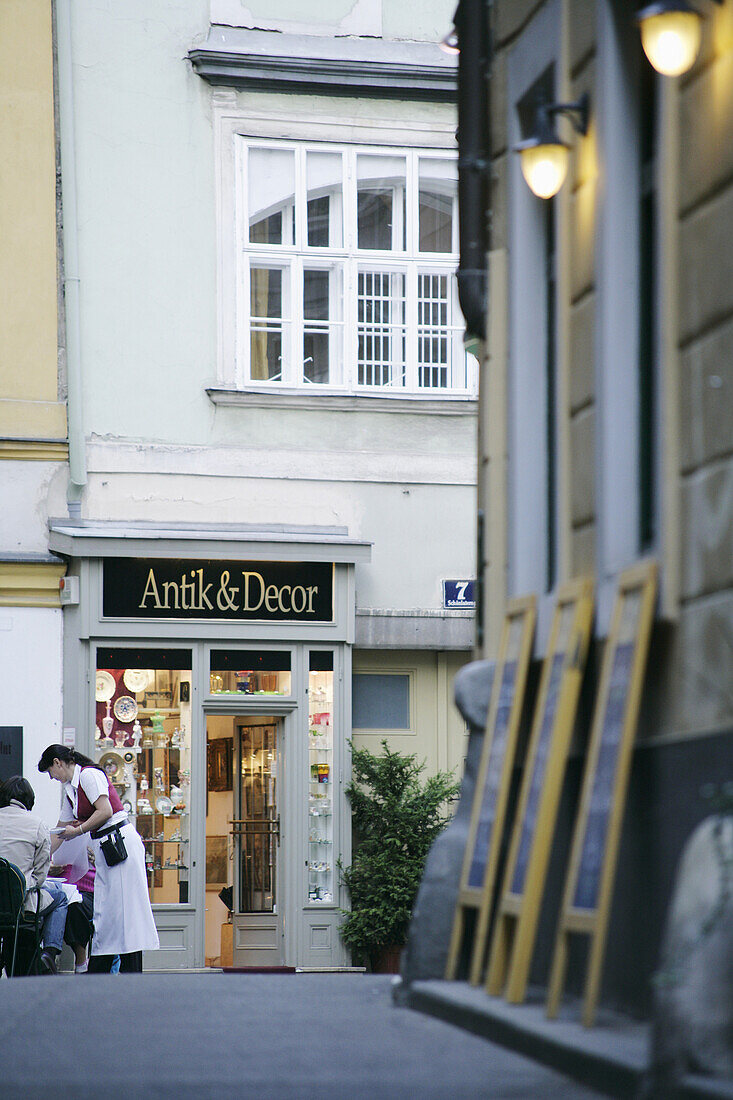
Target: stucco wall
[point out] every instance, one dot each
(29, 405)
(146, 166)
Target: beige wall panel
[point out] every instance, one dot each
(582, 359)
(498, 103)
(582, 467)
(582, 240)
(706, 265)
(688, 695)
(583, 551)
(437, 730)
(28, 336)
(707, 531)
(706, 127)
(581, 30)
(717, 35)
(499, 201)
(511, 15)
(583, 149)
(706, 398)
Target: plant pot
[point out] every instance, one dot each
(388, 959)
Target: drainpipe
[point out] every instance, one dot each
(471, 21)
(75, 411)
(473, 29)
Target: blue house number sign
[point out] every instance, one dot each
(458, 595)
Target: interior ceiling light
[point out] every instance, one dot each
(544, 156)
(671, 31)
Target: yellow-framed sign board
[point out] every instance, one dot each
(593, 855)
(478, 877)
(515, 926)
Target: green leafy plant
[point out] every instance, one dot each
(395, 819)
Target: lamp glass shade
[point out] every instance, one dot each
(544, 167)
(671, 40)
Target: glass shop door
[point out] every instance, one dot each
(257, 934)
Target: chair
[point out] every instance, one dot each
(16, 926)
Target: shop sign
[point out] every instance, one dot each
(136, 588)
(458, 595)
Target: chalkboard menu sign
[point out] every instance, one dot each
(544, 768)
(539, 767)
(493, 779)
(587, 895)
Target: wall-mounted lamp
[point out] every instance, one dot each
(449, 44)
(544, 156)
(671, 31)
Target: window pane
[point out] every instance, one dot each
(381, 702)
(320, 858)
(324, 182)
(143, 743)
(266, 333)
(437, 191)
(315, 295)
(270, 196)
(433, 337)
(381, 328)
(249, 672)
(321, 333)
(381, 202)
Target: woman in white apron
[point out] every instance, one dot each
(123, 919)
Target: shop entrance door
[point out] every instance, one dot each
(257, 933)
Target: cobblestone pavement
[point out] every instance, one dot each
(233, 1035)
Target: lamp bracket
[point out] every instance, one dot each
(577, 112)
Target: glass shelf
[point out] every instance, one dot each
(319, 760)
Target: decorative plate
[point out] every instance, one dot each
(113, 766)
(136, 679)
(106, 686)
(127, 806)
(163, 804)
(125, 708)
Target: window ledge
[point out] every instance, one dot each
(256, 398)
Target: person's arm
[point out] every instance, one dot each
(41, 857)
(102, 813)
(95, 787)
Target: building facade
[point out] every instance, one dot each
(272, 446)
(33, 448)
(608, 408)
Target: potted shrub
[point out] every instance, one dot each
(395, 820)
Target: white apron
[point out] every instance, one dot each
(123, 918)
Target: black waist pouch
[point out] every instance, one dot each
(113, 848)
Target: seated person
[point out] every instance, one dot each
(26, 842)
(79, 916)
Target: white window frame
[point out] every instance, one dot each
(328, 135)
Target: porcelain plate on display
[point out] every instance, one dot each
(125, 708)
(106, 686)
(113, 765)
(136, 679)
(163, 804)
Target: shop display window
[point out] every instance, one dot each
(249, 672)
(142, 739)
(320, 859)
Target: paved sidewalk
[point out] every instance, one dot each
(611, 1057)
(265, 1037)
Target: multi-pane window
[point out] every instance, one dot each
(346, 270)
